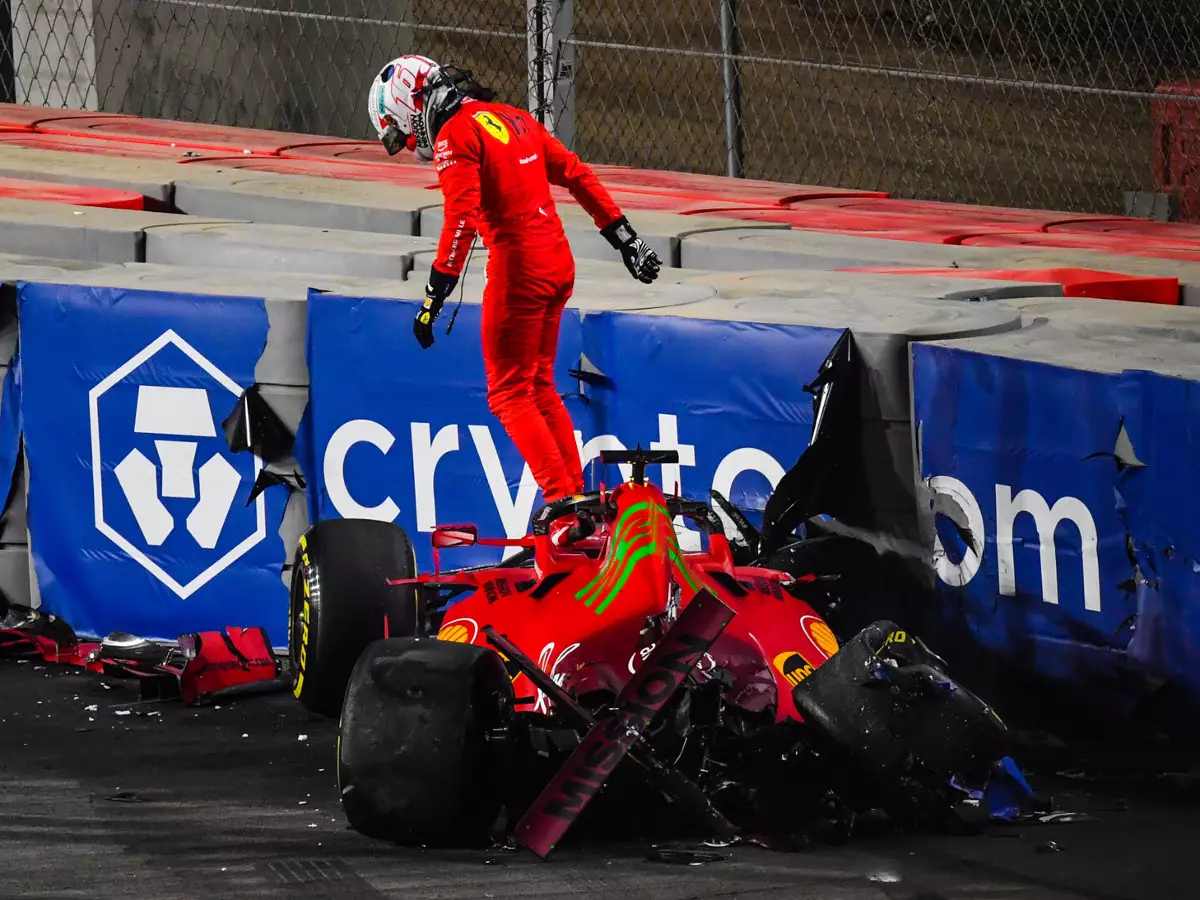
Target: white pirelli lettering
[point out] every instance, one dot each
(462, 223)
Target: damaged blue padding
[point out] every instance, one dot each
(138, 512)
(1037, 450)
(1160, 514)
(10, 422)
(1005, 440)
(1008, 795)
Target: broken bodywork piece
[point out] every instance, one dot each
(254, 427)
(203, 667)
(851, 574)
(614, 734)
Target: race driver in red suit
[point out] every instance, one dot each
(495, 164)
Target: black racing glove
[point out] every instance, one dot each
(642, 262)
(438, 288)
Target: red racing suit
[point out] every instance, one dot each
(495, 164)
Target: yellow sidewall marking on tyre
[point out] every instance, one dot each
(305, 619)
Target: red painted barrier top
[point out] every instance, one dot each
(64, 143)
(686, 184)
(1075, 282)
(1103, 243)
(173, 134)
(21, 116)
(957, 214)
(1162, 232)
(369, 153)
(405, 176)
(890, 226)
(75, 195)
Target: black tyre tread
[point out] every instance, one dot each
(346, 563)
(419, 763)
(880, 731)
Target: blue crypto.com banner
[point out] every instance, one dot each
(138, 512)
(729, 396)
(405, 435)
(1075, 547)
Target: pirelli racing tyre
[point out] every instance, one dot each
(425, 742)
(339, 599)
(884, 703)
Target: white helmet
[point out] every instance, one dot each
(413, 97)
(396, 105)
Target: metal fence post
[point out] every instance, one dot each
(551, 58)
(535, 52)
(562, 58)
(8, 84)
(730, 48)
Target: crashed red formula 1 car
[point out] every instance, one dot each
(612, 669)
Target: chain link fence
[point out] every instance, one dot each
(1013, 102)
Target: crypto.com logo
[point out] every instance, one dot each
(179, 419)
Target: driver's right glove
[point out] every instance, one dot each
(642, 262)
(437, 289)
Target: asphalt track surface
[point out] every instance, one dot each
(241, 801)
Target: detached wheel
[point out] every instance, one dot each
(339, 599)
(424, 743)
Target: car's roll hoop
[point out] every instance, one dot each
(639, 459)
(590, 503)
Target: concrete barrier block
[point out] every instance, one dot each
(598, 286)
(13, 526)
(85, 233)
(744, 249)
(738, 250)
(883, 326)
(585, 270)
(301, 200)
(801, 284)
(1090, 317)
(1188, 273)
(15, 576)
(152, 178)
(664, 232)
(1110, 346)
(284, 248)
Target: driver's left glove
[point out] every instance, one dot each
(438, 288)
(642, 262)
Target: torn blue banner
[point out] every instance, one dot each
(138, 512)
(1066, 532)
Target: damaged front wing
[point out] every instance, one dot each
(616, 732)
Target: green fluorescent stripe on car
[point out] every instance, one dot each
(637, 556)
(634, 538)
(619, 550)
